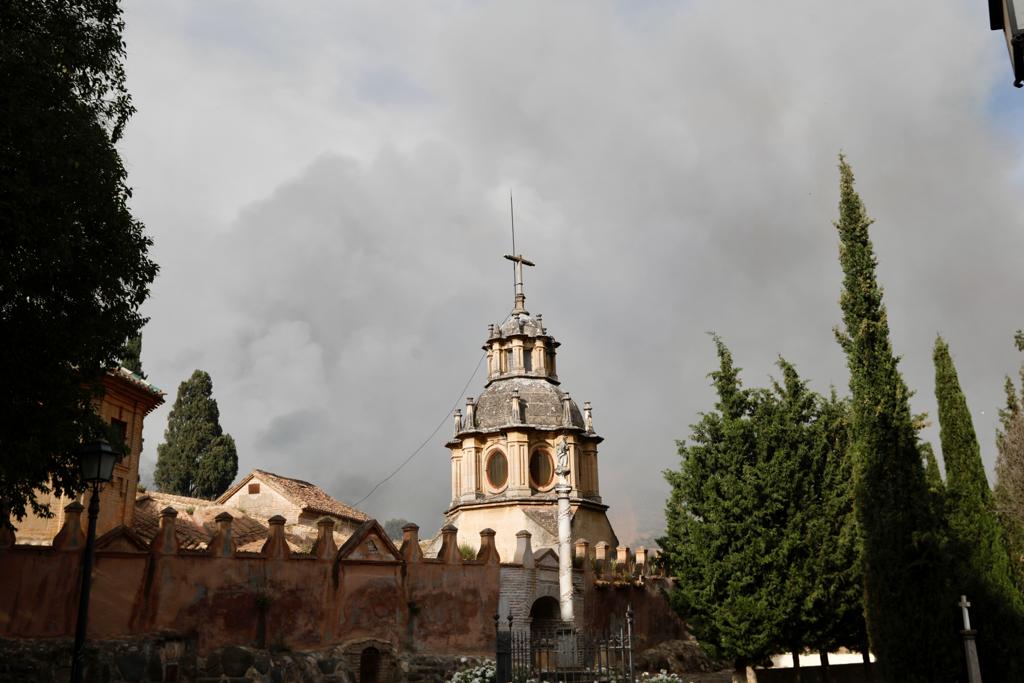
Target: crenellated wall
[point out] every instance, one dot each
(278, 599)
(364, 590)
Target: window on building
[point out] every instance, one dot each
(497, 469)
(542, 470)
(120, 428)
(371, 546)
(254, 488)
(508, 360)
(527, 359)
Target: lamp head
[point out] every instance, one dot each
(96, 459)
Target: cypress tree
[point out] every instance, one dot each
(932, 473)
(982, 563)
(132, 358)
(197, 458)
(908, 605)
(835, 601)
(1009, 492)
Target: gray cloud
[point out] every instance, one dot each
(328, 192)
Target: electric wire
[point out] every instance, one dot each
(428, 439)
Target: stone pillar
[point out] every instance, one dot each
(524, 552)
(641, 556)
(324, 548)
(276, 547)
(223, 543)
(166, 540)
(411, 551)
(518, 463)
(564, 538)
(470, 484)
(588, 417)
(488, 553)
(583, 555)
(970, 646)
(449, 553)
(601, 555)
(971, 651)
(516, 409)
(70, 536)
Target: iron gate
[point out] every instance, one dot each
(563, 654)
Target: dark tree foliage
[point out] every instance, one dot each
(132, 358)
(74, 267)
(982, 565)
(759, 569)
(197, 458)
(393, 527)
(1009, 492)
(909, 604)
(834, 609)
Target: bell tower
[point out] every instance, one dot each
(504, 442)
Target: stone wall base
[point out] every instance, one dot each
(173, 659)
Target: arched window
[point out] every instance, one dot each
(497, 469)
(542, 470)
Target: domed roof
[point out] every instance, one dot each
(541, 403)
(521, 323)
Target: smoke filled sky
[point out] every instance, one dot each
(327, 185)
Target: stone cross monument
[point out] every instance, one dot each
(564, 533)
(970, 647)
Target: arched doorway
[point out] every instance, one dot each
(369, 665)
(545, 616)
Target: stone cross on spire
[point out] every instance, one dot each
(520, 297)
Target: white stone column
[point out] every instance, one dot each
(564, 534)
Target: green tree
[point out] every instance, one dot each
(908, 603)
(745, 536)
(197, 458)
(74, 264)
(132, 358)
(393, 527)
(981, 561)
(1009, 491)
(834, 604)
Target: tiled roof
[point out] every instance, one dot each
(193, 529)
(129, 376)
(146, 523)
(307, 496)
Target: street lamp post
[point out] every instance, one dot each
(96, 460)
(1008, 16)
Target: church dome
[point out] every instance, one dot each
(540, 400)
(521, 323)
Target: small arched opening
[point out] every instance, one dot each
(545, 616)
(369, 665)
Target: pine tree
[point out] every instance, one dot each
(132, 357)
(982, 565)
(197, 458)
(908, 604)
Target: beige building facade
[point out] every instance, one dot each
(504, 443)
(126, 401)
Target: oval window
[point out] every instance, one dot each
(541, 469)
(497, 469)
